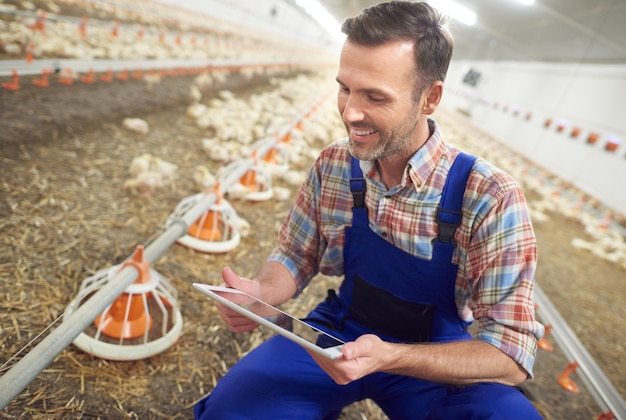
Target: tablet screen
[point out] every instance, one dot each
(277, 320)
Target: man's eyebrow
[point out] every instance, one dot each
(374, 91)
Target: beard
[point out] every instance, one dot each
(389, 143)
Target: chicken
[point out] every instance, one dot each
(194, 94)
(204, 178)
(140, 164)
(145, 183)
(243, 226)
(238, 191)
(169, 171)
(281, 193)
(136, 124)
(149, 173)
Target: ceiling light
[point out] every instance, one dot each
(527, 2)
(455, 10)
(323, 17)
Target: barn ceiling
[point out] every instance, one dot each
(590, 31)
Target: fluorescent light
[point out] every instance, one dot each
(455, 10)
(323, 17)
(527, 2)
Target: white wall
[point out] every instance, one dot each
(590, 97)
(281, 18)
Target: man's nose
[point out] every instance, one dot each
(352, 110)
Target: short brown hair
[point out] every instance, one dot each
(405, 20)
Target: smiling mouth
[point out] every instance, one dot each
(362, 133)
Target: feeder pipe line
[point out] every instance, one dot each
(595, 380)
(16, 379)
(13, 382)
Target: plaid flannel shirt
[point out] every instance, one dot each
(496, 248)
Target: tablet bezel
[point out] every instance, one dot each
(330, 352)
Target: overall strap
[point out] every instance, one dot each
(357, 184)
(449, 213)
(358, 187)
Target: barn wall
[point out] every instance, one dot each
(513, 100)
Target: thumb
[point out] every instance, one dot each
(230, 278)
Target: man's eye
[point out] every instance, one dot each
(376, 99)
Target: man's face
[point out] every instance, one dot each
(375, 99)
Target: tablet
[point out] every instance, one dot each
(276, 320)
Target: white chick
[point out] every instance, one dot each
(293, 177)
(196, 110)
(219, 153)
(243, 226)
(136, 124)
(238, 191)
(194, 94)
(204, 178)
(281, 193)
(167, 170)
(140, 164)
(204, 120)
(144, 183)
(208, 144)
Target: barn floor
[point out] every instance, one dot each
(64, 215)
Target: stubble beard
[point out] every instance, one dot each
(389, 143)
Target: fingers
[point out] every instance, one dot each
(236, 322)
(230, 278)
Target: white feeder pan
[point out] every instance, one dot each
(157, 286)
(211, 247)
(201, 245)
(260, 195)
(124, 352)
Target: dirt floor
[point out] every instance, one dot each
(64, 215)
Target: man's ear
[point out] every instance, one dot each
(432, 97)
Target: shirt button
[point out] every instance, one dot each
(384, 234)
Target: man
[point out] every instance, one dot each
(381, 208)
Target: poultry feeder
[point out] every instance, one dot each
(276, 160)
(215, 231)
(258, 181)
(143, 321)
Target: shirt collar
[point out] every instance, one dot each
(423, 163)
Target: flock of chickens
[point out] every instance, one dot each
(234, 127)
(129, 30)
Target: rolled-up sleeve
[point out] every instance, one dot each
(501, 263)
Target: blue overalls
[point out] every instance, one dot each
(388, 292)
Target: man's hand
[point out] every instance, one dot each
(235, 321)
(360, 358)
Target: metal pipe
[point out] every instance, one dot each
(13, 382)
(595, 380)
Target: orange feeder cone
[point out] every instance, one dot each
(88, 78)
(43, 81)
(207, 227)
(128, 316)
(107, 77)
(216, 231)
(249, 180)
(66, 76)
(123, 76)
(271, 155)
(565, 381)
(14, 84)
